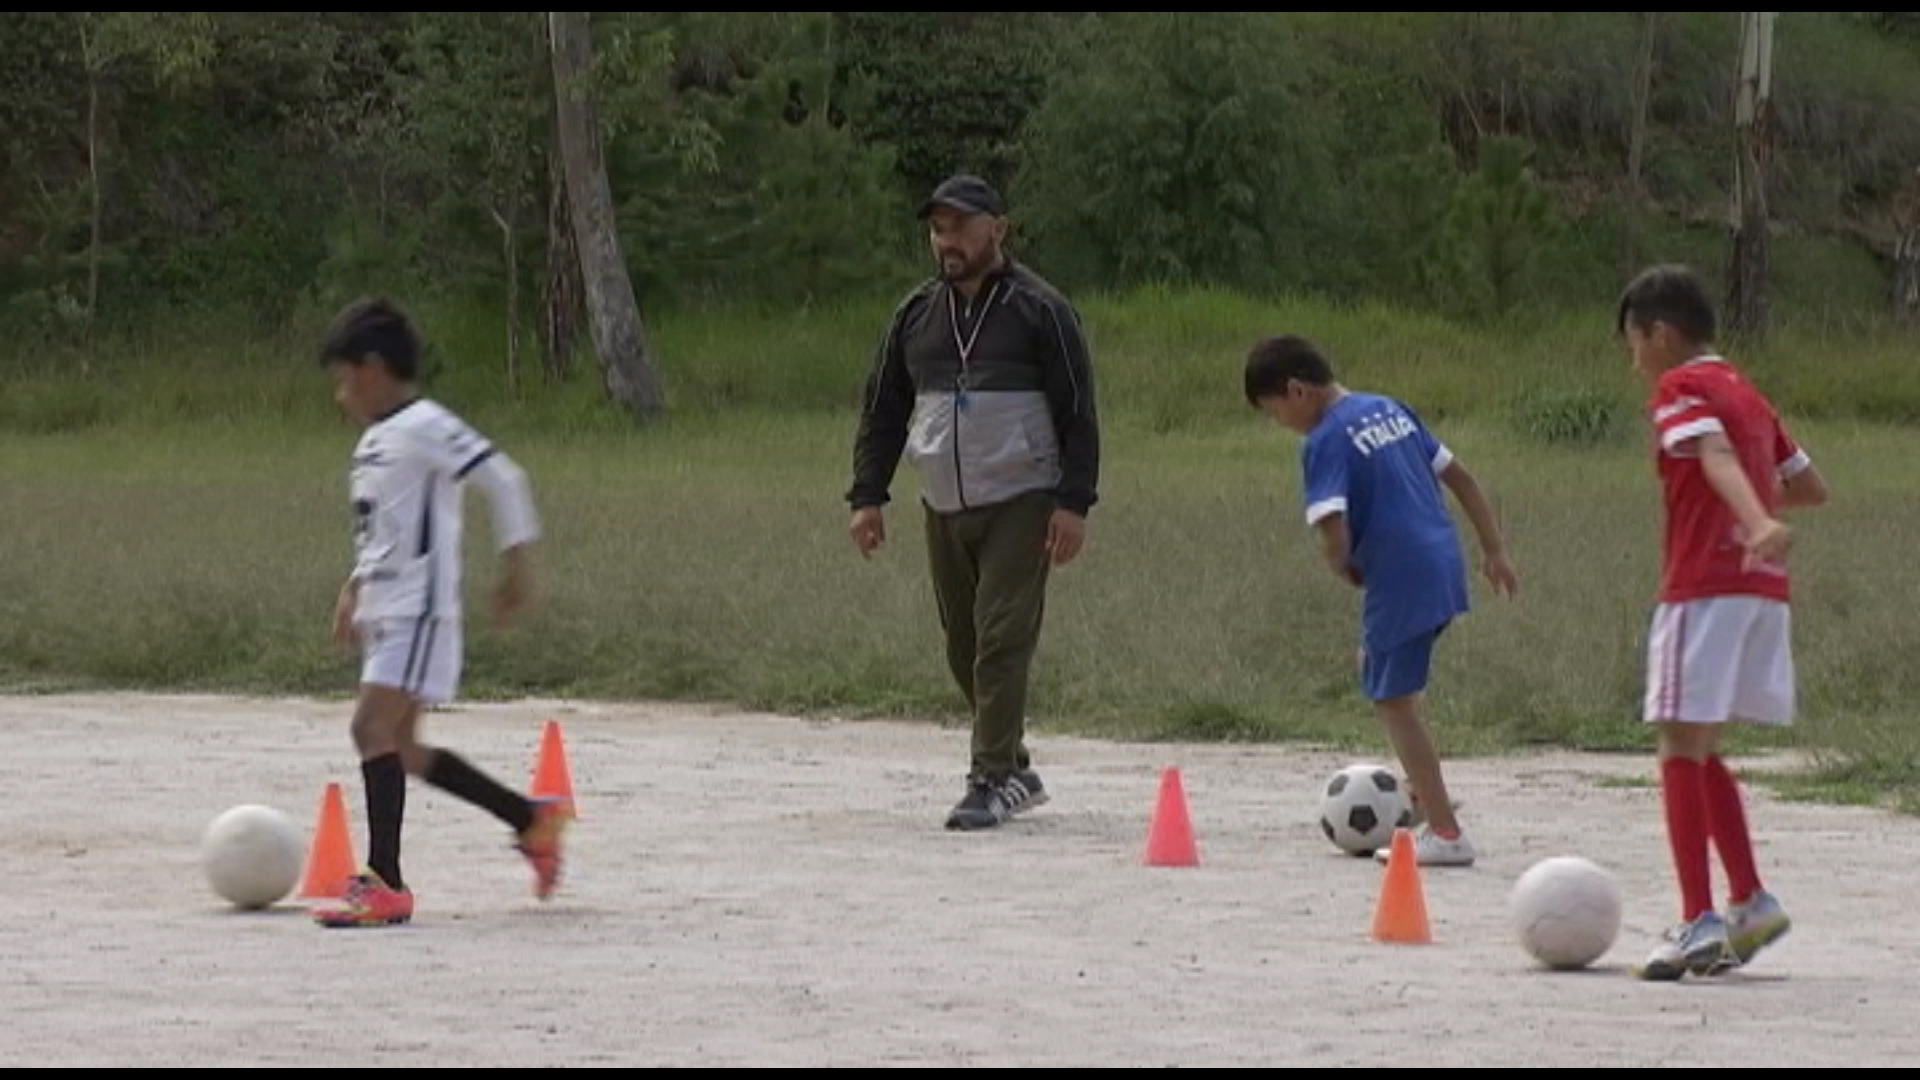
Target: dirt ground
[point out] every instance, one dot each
(759, 890)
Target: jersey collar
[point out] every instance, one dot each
(396, 410)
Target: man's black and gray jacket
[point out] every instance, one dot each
(990, 398)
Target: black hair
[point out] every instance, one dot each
(1670, 294)
(1275, 360)
(374, 326)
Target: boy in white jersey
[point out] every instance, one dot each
(401, 604)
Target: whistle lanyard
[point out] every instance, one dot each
(966, 347)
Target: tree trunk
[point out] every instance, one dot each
(513, 300)
(1906, 277)
(1636, 148)
(560, 301)
(93, 184)
(1906, 251)
(1642, 95)
(618, 336)
(1753, 127)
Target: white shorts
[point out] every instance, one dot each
(419, 656)
(1718, 659)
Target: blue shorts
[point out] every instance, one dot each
(1401, 670)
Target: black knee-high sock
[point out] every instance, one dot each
(386, 781)
(450, 773)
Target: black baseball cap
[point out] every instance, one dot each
(968, 194)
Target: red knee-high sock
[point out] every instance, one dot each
(1729, 827)
(1684, 791)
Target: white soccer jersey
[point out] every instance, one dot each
(407, 486)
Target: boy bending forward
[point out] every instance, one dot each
(1374, 500)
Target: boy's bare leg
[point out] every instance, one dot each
(1419, 806)
(383, 716)
(416, 757)
(1695, 742)
(1413, 744)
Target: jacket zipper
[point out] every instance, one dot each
(959, 479)
(962, 389)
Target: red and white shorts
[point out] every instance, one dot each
(1718, 659)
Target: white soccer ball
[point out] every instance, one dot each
(1566, 911)
(252, 855)
(1361, 805)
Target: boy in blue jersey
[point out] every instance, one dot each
(1373, 499)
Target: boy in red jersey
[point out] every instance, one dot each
(1719, 649)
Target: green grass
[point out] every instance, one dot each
(1166, 360)
(1626, 783)
(192, 531)
(1869, 783)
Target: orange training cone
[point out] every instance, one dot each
(551, 776)
(330, 858)
(1170, 834)
(1400, 917)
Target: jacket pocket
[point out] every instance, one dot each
(933, 449)
(1007, 446)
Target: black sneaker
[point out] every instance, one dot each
(988, 803)
(981, 808)
(1022, 791)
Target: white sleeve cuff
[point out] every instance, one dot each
(1442, 458)
(1674, 408)
(1795, 465)
(1692, 429)
(514, 520)
(1325, 507)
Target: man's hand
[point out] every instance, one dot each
(1066, 535)
(868, 529)
(1500, 574)
(344, 632)
(515, 591)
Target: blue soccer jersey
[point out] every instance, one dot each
(1371, 459)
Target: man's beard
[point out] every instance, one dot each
(962, 268)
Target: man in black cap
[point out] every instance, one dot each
(984, 381)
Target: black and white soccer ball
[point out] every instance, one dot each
(1361, 805)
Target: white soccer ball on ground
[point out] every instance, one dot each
(252, 855)
(1566, 911)
(1361, 805)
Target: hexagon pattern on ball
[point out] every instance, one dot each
(1361, 805)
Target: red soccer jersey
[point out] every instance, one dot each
(1701, 549)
